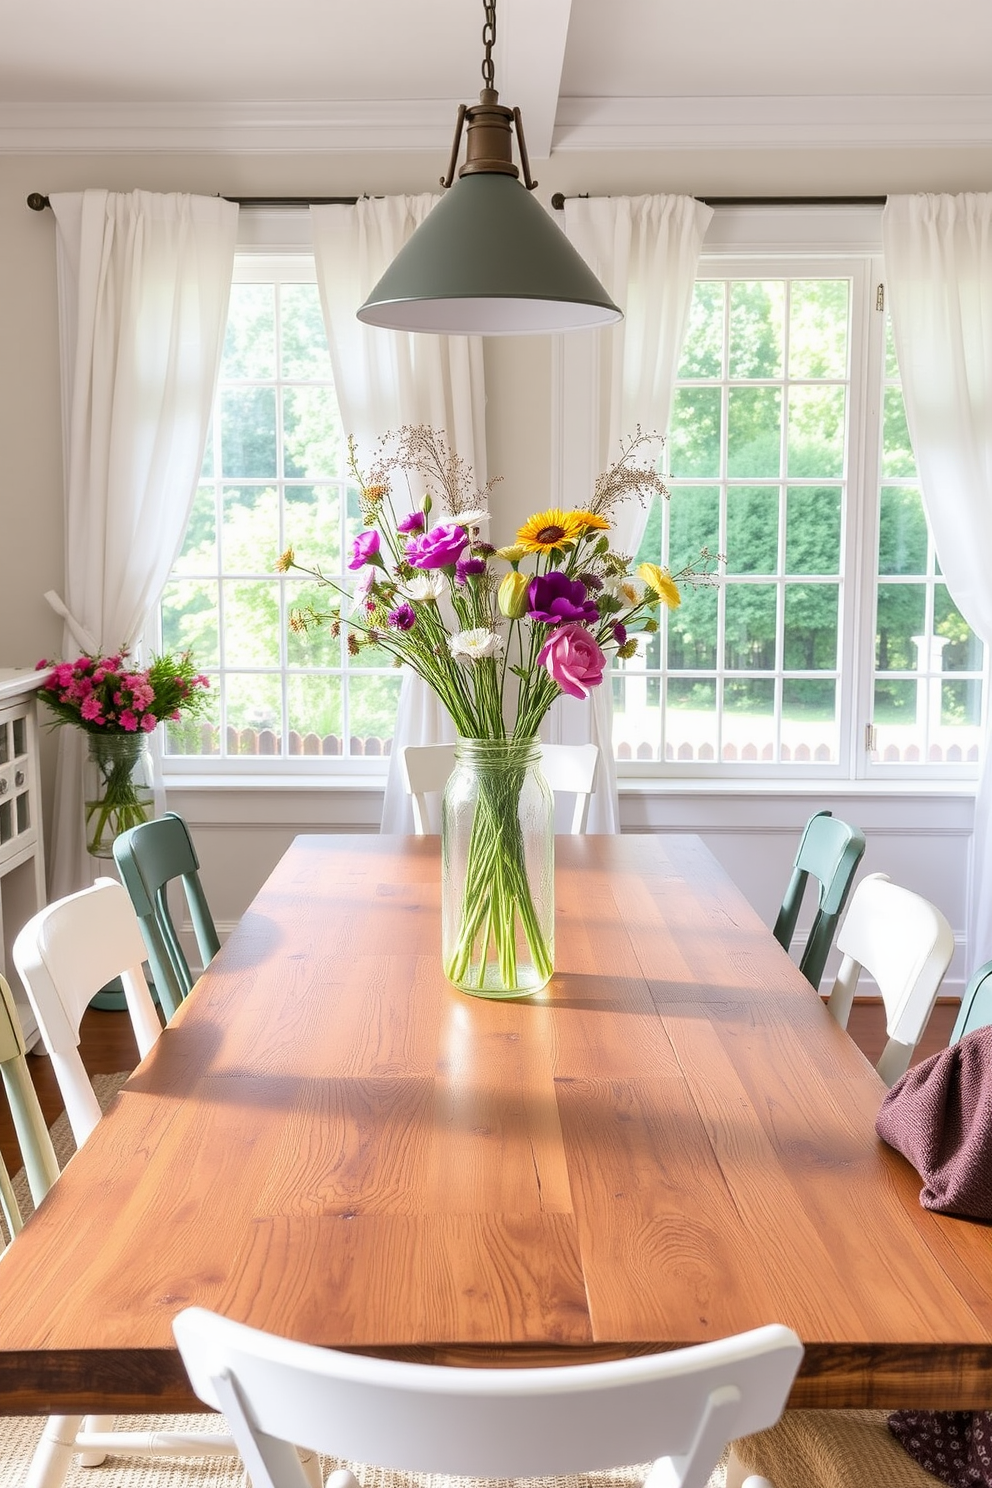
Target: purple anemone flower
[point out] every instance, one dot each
(555, 599)
(440, 548)
(467, 568)
(619, 633)
(402, 618)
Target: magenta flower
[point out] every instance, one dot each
(573, 660)
(556, 599)
(619, 633)
(415, 521)
(149, 721)
(402, 618)
(467, 568)
(440, 548)
(91, 709)
(129, 720)
(366, 549)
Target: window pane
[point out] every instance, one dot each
(248, 432)
(754, 419)
(252, 622)
(897, 452)
(757, 325)
(902, 532)
(372, 710)
(752, 529)
(750, 638)
(250, 340)
(250, 537)
(254, 714)
(901, 616)
(811, 627)
(694, 524)
(702, 353)
(809, 720)
(199, 551)
(748, 720)
(691, 731)
(816, 432)
(818, 317)
(312, 437)
(692, 631)
(304, 341)
(319, 646)
(812, 534)
(961, 707)
(959, 648)
(313, 525)
(190, 620)
(200, 735)
(695, 433)
(316, 714)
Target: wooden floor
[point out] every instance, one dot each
(107, 1045)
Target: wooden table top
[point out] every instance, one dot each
(672, 1142)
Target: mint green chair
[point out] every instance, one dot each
(976, 1004)
(149, 857)
(829, 851)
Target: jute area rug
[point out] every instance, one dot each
(19, 1434)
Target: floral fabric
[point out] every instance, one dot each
(955, 1446)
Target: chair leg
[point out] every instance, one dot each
(310, 1463)
(54, 1452)
(95, 1457)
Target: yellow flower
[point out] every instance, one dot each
(591, 521)
(285, 561)
(661, 581)
(548, 530)
(512, 554)
(512, 595)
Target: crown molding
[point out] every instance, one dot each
(227, 128)
(783, 122)
(587, 124)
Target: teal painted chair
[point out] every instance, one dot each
(829, 851)
(149, 857)
(976, 1004)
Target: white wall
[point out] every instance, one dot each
(922, 840)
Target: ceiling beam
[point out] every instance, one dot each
(529, 55)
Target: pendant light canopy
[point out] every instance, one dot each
(488, 260)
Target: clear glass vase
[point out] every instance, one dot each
(118, 792)
(497, 869)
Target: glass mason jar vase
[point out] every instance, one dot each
(118, 791)
(497, 869)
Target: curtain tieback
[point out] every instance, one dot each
(85, 638)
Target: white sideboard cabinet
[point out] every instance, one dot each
(22, 849)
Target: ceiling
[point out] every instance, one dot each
(587, 74)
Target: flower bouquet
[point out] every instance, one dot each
(498, 634)
(117, 706)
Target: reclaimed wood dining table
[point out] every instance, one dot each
(672, 1142)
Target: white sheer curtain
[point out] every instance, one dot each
(938, 269)
(387, 378)
(144, 282)
(645, 250)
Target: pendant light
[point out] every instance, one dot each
(488, 259)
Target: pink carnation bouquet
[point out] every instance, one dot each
(497, 633)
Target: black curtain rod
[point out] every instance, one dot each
(38, 203)
(559, 199)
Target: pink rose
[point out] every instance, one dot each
(573, 659)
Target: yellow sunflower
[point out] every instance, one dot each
(547, 530)
(591, 521)
(661, 581)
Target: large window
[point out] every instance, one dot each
(275, 475)
(789, 458)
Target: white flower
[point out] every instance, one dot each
(630, 590)
(468, 518)
(425, 587)
(473, 645)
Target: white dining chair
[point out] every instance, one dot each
(905, 944)
(568, 769)
(677, 1410)
(64, 955)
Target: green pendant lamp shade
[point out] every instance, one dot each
(488, 260)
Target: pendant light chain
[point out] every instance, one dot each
(488, 41)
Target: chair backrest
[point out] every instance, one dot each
(37, 1153)
(976, 1004)
(829, 850)
(64, 955)
(906, 945)
(678, 1408)
(567, 768)
(149, 857)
